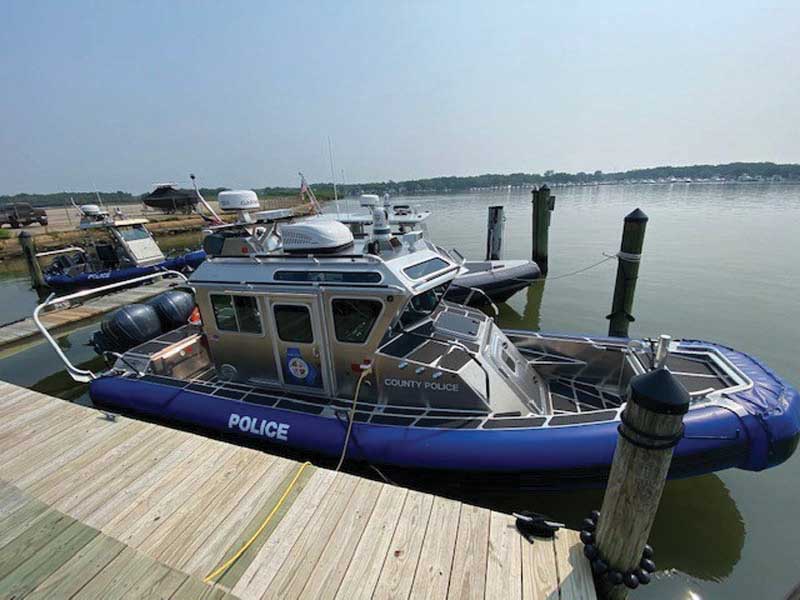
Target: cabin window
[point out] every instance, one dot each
(236, 313)
(421, 305)
(247, 314)
(424, 268)
(329, 276)
(131, 234)
(294, 323)
(353, 319)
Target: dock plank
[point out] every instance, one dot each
(208, 514)
(94, 453)
(286, 578)
(335, 559)
(173, 524)
(504, 565)
(468, 578)
(88, 562)
(322, 490)
(49, 558)
(29, 540)
(574, 572)
(134, 524)
(365, 567)
(241, 523)
(432, 576)
(402, 557)
(124, 497)
(86, 499)
(539, 570)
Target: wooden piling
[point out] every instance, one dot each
(543, 205)
(494, 233)
(28, 245)
(627, 272)
(652, 424)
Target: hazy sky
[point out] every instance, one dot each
(119, 95)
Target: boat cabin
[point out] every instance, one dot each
(307, 316)
(112, 243)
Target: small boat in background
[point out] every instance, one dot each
(169, 199)
(117, 249)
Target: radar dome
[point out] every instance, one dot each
(316, 236)
(233, 200)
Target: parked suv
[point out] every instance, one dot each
(20, 214)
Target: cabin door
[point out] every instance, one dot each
(299, 343)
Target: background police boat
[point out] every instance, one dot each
(116, 249)
(344, 346)
(496, 280)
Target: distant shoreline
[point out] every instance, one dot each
(730, 173)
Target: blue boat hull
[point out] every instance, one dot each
(757, 429)
(190, 260)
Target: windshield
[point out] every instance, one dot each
(424, 268)
(136, 232)
(421, 305)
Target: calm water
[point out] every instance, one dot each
(720, 263)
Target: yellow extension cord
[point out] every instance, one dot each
(225, 566)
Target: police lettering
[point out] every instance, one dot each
(270, 429)
(421, 385)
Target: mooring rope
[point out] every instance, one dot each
(571, 273)
(364, 372)
(226, 565)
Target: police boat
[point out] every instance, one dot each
(332, 344)
(116, 249)
(479, 282)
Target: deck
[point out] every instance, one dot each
(94, 508)
(24, 331)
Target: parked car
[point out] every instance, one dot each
(20, 214)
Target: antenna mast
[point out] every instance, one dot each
(333, 174)
(214, 215)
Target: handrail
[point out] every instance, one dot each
(85, 375)
(472, 290)
(61, 251)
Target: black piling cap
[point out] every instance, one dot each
(544, 187)
(637, 216)
(659, 391)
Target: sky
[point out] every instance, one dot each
(116, 95)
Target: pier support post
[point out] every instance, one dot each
(494, 233)
(543, 205)
(28, 245)
(628, 258)
(652, 424)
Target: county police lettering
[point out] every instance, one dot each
(270, 429)
(424, 385)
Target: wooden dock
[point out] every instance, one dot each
(24, 331)
(97, 508)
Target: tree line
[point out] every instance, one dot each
(325, 191)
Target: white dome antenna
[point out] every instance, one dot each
(313, 237)
(239, 201)
(236, 200)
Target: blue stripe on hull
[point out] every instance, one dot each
(538, 450)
